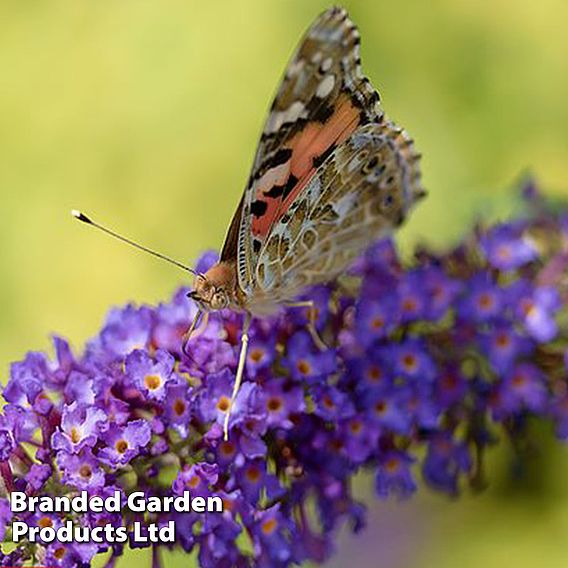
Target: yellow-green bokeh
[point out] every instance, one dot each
(146, 113)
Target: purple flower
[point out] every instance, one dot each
(506, 247)
(262, 347)
(393, 475)
(304, 361)
(27, 380)
(271, 533)
(150, 375)
(178, 405)
(5, 516)
(376, 319)
(484, 300)
(321, 297)
(123, 443)
(358, 437)
(331, 403)
(503, 345)
(125, 330)
(444, 462)
(522, 388)
(440, 291)
(80, 428)
(197, 479)
(536, 308)
(280, 403)
(411, 359)
(80, 388)
(81, 470)
(215, 399)
(428, 361)
(387, 407)
(451, 387)
(413, 296)
(172, 321)
(38, 474)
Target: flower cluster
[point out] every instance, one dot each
(425, 364)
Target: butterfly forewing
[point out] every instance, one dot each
(322, 100)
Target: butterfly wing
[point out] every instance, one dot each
(322, 100)
(363, 190)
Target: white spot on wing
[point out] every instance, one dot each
(325, 87)
(291, 114)
(326, 64)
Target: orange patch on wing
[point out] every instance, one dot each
(311, 142)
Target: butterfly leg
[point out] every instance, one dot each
(201, 318)
(312, 318)
(240, 372)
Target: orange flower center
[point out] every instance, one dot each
(392, 465)
(223, 404)
(85, 471)
(227, 448)
(121, 446)
(409, 362)
(380, 406)
(518, 380)
(485, 301)
(152, 382)
(328, 403)
(59, 553)
(409, 305)
(256, 355)
(179, 406)
(274, 404)
(193, 481)
(269, 526)
(45, 522)
(504, 252)
(374, 373)
(355, 427)
(449, 382)
(528, 307)
(304, 367)
(253, 474)
(75, 435)
(378, 323)
(503, 340)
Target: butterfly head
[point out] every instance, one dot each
(214, 290)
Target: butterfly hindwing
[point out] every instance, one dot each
(363, 190)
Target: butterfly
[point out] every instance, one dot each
(331, 175)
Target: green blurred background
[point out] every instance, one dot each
(146, 114)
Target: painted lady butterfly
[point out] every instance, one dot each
(331, 175)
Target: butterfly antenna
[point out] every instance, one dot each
(84, 219)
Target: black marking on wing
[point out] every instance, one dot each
(290, 185)
(319, 110)
(275, 191)
(273, 161)
(319, 160)
(258, 208)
